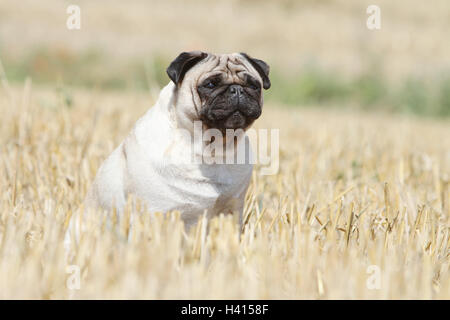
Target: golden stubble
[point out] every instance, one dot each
(353, 191)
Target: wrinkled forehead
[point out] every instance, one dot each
(231, 67)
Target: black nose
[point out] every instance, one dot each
(236, 89)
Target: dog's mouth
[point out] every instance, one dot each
(235, 121)
(232, 118)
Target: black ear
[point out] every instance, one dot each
(262, 68)
(182, 64)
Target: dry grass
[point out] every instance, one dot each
(352, 191)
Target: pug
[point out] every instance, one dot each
(161, 161)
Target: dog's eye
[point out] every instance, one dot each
(210, 85)
(253, 85)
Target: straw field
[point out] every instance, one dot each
(360, 206)
(357, 196)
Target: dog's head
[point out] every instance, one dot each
(226, 89)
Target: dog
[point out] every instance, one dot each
(158, 162)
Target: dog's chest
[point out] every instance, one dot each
(190, 188)
(205, 184)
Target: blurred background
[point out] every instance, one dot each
(321, 53)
